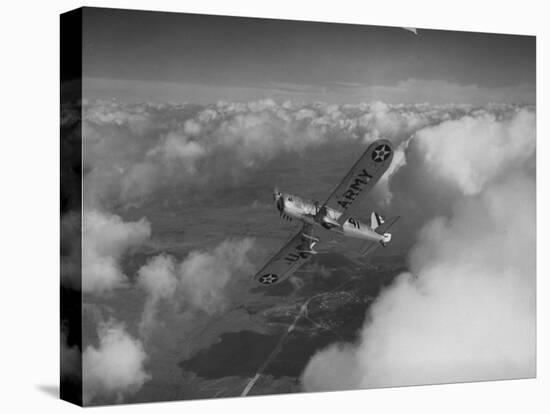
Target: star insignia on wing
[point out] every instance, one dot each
(381, 152)
(268, 279)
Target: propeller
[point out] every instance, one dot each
(279, 201)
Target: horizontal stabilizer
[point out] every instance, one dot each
(370, 246)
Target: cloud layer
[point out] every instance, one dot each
(203, 281)
(106, 238)
(474, 150)
(463, 178)
(132, 150)
(116, 367)
(466, 309)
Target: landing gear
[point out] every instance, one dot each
(308, 243)
(320, 212)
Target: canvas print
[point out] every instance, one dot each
(258, 206)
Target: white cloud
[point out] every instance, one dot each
(471, 151)
(139, 180)
(399, 161)
(469, 291)
(204, 276)
(106, 237)
(466, 312)
(203, 281)
(158, 278)
(116, 367)
(461, 155)
(132, 150)
(466, 309)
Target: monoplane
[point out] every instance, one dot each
(336, 214)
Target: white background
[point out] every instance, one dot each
(29, 151)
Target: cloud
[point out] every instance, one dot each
(131, 151)
(399, 161)
(462, 173)
(466, 309)
(116, 367)
(471, 151)
(439, 164)
(204, 276)
(106, 238)
(203, 281)
(158, 278)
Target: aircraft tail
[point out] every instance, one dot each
(381, 227)
(376, 220)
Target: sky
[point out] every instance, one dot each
(177, 206)
(139, 55)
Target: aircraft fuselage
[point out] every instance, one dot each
(291, 206)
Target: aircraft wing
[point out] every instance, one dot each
(295, 253)
(360, 179)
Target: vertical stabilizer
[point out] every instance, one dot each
(376, 220)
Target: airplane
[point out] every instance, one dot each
(336, 214)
